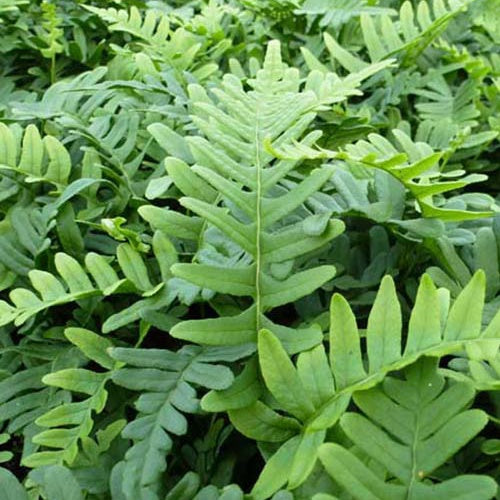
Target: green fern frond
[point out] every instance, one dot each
(316, 392)
(23, 236)
(24, 398)
(442, 103)
(38, 159)
(406, 38)
(154, 33)
(340, 12)
(231, 157)
(70, 424)
(411, 427)
(416, 167)
(274, 9)
(456, 269)
(74, 284)
(165, 380)
(66, 99)
(154, 27)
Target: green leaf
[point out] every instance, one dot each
(75, 379)
(60, 484)
(282, 378)
(32, 152)
(133, 266)
(464, 320)
(260, 423)
(92, 345)
(345, 351)
(10, 487)
(59, 167)
(412, 427)
(383, 334)
(275, 473)
(170, 141)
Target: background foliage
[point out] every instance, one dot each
(249, 249)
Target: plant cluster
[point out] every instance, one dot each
(249, 249)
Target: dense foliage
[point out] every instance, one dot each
(249, 249)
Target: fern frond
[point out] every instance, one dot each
(338, 13)
(74, 284)
(71, 423)
(231, 158)
(274, 9)
(316, 392)
(38, 159)
(154, 27)
(456, 268)
(23, 236)
(411, 427)
(24, 398)
(154, 33)
(66, 98)
(416, 167)
(443, 103)
(165, 380)
(406, 38)
(54, 481)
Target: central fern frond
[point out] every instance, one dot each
(268, 222)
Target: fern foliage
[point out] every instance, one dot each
(317, 390)
(249, 249)
(400, 432)
(238, 166)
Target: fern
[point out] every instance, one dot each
(441, 104)
(415, 168)
(316, 402)
(456, 270)
(155, 27)
(340, 13)
(66, 99)
(74, 283)
(23, 397)
(71, 423)
(159, 41)
(236, 158)
(23, 236)
(40, 160)
(165, 379)
(176, 212)
(412, 427)
(409, 37)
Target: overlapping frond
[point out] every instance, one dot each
(412, 426)
(316, 391)
(73, 283)
(165, 380)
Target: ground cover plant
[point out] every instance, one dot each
(249, 249)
